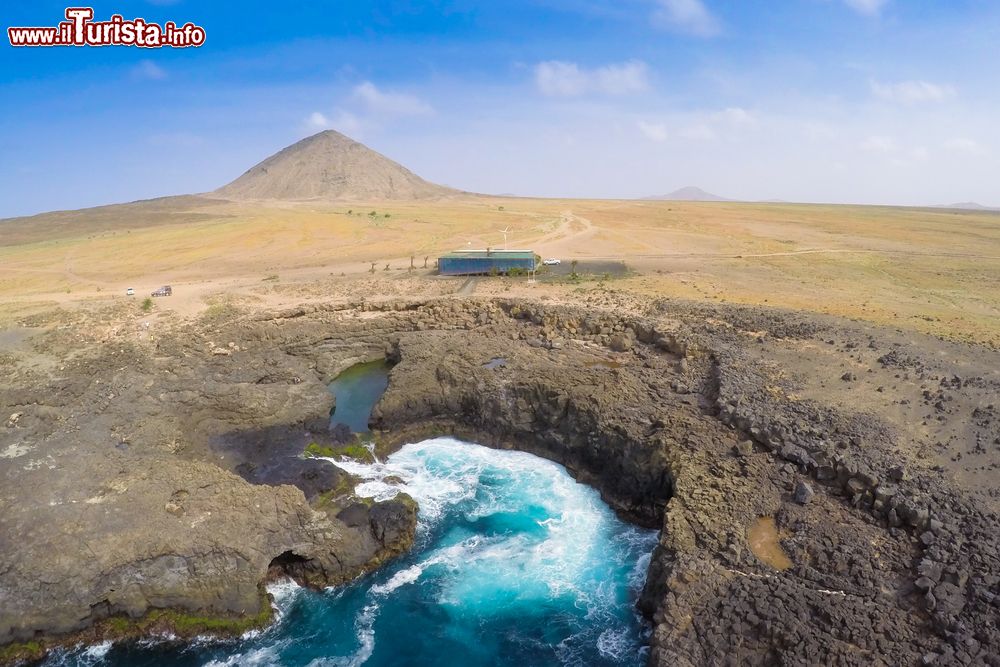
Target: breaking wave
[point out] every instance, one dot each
(514, 563)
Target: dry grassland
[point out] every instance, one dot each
(932, 270)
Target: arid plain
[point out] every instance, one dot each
(931, 270)
(801, 398)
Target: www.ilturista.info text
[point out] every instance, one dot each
(79, 29)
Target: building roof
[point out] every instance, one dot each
(493, 254)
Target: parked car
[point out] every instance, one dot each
(166, 290)
(551, 261)
(130, 291)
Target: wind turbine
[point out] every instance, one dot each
(505, 231)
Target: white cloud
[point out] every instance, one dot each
(964, 145)
(342, 121)
(919, 154)
(911, 92)
(867, 7)
(317, 121)
(879, 144)
(689, 16)
(376, 101)
(735, 116)
(348, 123)
(557, 78)
(148, 70)
(629, 77)
(653, 131)
(367, 108)
(730, 124)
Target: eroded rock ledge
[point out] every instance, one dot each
(166, 475)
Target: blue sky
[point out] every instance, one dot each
(867, 101)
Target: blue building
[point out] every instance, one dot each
(484, 262)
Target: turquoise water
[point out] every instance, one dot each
(514, 564)
(356, 391)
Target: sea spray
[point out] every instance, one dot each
(514, 563)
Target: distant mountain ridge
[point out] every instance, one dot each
(689, 193)
(968, 206)
(330, 166)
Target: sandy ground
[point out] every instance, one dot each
(87, 365)
(934, 271)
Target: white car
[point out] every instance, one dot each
(130, 291)
(552, 261)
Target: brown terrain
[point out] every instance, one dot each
(803, 398)
(329, 166)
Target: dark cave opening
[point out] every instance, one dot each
(289, 564)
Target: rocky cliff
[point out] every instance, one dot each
(167, 475)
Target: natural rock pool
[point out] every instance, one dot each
(356, 392)
(514, 563)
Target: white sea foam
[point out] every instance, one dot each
(637, 576)
(80, 656)
(557, 564)
(376, 490)
(614, 643)
(97, 651)
(284, 593)
(266, 656)
(521, 536)
(158, 638)
(364, 626)
(401, 578)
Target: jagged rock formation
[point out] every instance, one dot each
(698, 419)
(123, 492)
(330, 166)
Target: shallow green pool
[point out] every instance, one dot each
(356, 391)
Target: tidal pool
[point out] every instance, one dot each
(356, 392)
(514, 564)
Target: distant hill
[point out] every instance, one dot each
(968, 206)
(179, 209)
(330, 166)
(327, 166)
(689, 193)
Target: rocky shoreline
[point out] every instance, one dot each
(165, 473)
